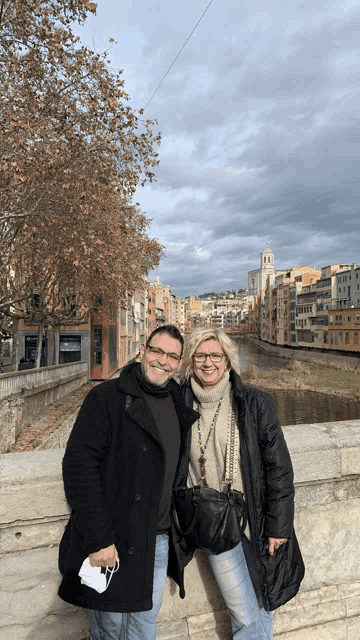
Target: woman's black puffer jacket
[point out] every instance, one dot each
(269, 494)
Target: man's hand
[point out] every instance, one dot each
(105, 557)
(275, 543)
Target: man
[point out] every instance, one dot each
(119, 467)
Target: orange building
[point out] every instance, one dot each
(284, 303)
(151, 309)
(344, 329)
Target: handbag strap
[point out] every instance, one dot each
(233, 444)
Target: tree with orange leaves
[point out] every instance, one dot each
(72, 153)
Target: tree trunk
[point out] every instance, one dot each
(15, 347)
(39, 344)
(55, 358)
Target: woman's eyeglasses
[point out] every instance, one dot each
(173, 358)
(214, 357)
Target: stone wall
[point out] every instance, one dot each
(59, 438)
(24, 394)
(308, 355)
(326, 457)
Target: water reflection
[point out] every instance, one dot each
(305, 407)
(297, 407)
(250, 353)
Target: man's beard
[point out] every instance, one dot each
(156, 383)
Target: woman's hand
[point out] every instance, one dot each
(275, 543)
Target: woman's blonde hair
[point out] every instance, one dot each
(201, 334)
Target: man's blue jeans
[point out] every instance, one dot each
(105, 625)
(248, 620)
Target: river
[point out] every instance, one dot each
(297, 407)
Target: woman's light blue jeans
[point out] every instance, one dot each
(105, 625)
(248, 620)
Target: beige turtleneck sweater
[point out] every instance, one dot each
(215, 453)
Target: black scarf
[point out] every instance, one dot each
(152, 389)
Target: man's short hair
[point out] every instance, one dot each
(171, 331)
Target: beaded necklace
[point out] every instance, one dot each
(202, 458)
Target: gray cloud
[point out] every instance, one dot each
(259, 113)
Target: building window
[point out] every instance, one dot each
(340, 337)
(326, 337)
(349, 318)
(70, 349)
(6, 350)
(356, 337)
(347, 339)
(112, 347)
(97, 345)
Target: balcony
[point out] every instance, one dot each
(320, 321)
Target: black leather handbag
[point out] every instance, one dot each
(209, 520)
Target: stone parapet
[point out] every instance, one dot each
(326, 458)
(24, 394)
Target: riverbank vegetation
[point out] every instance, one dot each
(330, 377)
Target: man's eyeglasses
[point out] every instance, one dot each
(214, 357)
(173, 358)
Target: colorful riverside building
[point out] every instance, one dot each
(278, 305)
(306, 308)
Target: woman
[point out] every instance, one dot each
(265, 569)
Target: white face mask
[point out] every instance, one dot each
(93, 576)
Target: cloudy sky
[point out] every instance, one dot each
(260, 118)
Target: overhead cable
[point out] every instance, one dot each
(172, 64)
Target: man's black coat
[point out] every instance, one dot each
(113, 472)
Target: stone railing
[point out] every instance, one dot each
(326, 459)
(24, 394)
(11, 383)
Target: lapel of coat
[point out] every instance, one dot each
(136, 407)
(139, 411)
